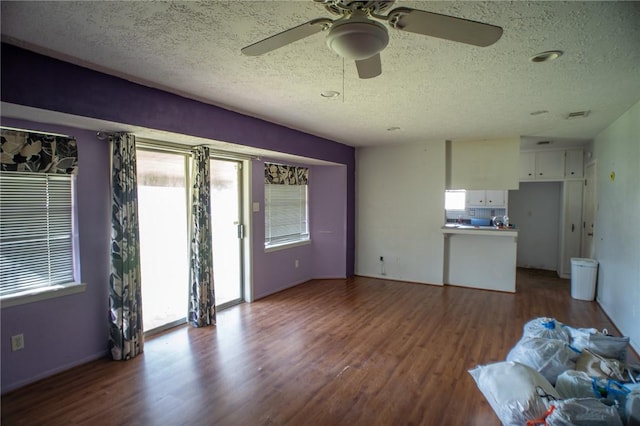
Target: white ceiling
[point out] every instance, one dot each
(432, 89)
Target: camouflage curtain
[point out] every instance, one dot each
(125, 296)
(280, 174)
(202, 307)
(22, 151)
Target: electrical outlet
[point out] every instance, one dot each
(17, 342)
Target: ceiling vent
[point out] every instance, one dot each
(578, 114)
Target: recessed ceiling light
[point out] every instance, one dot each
(330, 94)
(393, 128)
(539, 112)
(546, 56)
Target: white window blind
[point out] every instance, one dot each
(285, 214)
(36, 244)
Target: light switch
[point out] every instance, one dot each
(256, 206)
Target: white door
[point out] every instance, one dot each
(589, 212)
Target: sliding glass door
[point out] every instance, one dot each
(164, 237)
(163, 194)
(227, 229)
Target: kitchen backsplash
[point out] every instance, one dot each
(475, 213)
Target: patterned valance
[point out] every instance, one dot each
(23, 151)
(285, 175)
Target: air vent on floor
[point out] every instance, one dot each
(578, 114)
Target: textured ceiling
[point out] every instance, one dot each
(431, 89)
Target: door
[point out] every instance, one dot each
(571, 225)
(227, 231)
(589, 211)
(164, 237)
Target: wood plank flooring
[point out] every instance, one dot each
(359, 351)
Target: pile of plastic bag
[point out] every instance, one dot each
(560, 375)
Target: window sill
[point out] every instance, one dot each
(269, 249)
(41, 294)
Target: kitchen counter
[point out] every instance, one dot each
(480, 230)
(481, 257)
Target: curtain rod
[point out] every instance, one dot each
(169, 146)
(36, 131)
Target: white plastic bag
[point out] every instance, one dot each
(600, 343)
(583, 411)
(548, 328)
(575, 384)
(632, 408)
(550, 357)
(516, 393)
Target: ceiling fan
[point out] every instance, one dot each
(356, 36)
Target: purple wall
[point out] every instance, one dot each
(66, 331)
(328, 213)
(63, 332)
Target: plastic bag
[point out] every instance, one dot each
(600, 343)
(632, 408)
(600, 367)
(515, 391)
(547, 328)
(574, 384)
(550, 357)
(583, 411)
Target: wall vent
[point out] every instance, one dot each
(578, 114)
(543, 143)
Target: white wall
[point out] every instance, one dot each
(617, 227)
(400, 211)
(535, 209)
(484, 164)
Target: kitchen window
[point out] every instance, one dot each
(455, 199)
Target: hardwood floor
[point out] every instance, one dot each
(360, 351)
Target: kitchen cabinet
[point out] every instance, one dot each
(574, 164)
(527, 165)
(489, 198)
(570, 225)
(550, 165)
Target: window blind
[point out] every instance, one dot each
(36, 244)
(285, 214)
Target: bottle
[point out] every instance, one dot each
(505, 221)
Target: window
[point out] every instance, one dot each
(36, 231)
(285, 212)
(455, 199)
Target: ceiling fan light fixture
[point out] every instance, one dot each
(357, 39)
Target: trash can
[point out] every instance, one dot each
(583, 278)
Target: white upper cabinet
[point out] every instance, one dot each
(554, 165)
(550, 165)
(574, 164)
(527, 165)
(493, 198)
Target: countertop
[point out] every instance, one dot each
(454, 228)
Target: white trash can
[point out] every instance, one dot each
(583, 278)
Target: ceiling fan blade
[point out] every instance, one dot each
(369, 68)
(444, 26)
(289, 36)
